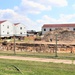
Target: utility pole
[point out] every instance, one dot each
(14, 45)
(56, 47)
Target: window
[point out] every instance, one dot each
(21, 28)
(50, 29)
(44, 29)
(20, 32)
(7, 32)
(74, 29)
(3, 31)
(7, 26)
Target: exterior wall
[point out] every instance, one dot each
(20, 30)
(6, 29)
(71, 28)
(48, 29)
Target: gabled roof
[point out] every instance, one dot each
(16, 24)
(2, 21)
(58, 25)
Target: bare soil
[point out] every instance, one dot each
(38, 59)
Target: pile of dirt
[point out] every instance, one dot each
(62, 35)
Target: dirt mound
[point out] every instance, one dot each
(62, 35)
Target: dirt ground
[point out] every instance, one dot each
(53, 42)
(38, 59)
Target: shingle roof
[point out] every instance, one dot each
(58, 25)
(2, 21)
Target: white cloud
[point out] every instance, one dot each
(31, 6)
(16, 8)
(66, 18)
(62, 19)
(12, 16)
(59, 2)
(38, 6)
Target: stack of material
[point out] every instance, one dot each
(62, 35)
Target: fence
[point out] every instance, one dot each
(53, 45)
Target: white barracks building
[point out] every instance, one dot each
(8, 29)
(50, 27)
(20, 29)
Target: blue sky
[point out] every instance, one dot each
(34, 13)
(5, 4)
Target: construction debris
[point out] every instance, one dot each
(62, 35)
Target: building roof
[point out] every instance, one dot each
(58, 25)
(16, 24)
(2, 21)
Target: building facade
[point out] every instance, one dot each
(19, 29)
(50, 27)
(6, 28)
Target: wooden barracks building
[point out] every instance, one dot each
(50, 27)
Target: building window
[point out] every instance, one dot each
(20, 32)
(3, 31)
(8, 27)
(74, 29)
(21, 28)
(44, 29)
(7, 32)
(50, 29)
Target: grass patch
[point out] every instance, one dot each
(35, 68)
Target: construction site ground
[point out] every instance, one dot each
(53, 42)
